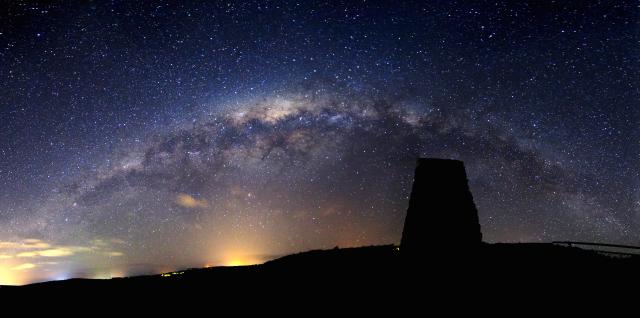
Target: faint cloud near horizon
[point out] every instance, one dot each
(38, 251)
(24, 266)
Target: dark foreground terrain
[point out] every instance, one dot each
(382, 271)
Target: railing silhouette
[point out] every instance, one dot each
(605, 245)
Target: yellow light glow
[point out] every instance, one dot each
(237, 259)
(235, 262)
(10, 277)
(239, 248)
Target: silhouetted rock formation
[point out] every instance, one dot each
(441, 214)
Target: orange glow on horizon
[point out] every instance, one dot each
(236, 257)
(237, 262)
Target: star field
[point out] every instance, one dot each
(138, 138)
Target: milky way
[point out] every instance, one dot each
(146, 139)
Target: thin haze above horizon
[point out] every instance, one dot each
(148, 137)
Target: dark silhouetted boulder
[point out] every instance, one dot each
(441, 214)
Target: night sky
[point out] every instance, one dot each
(141, 138)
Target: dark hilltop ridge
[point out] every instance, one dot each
(441, 248)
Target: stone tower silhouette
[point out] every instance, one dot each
(441, 214)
